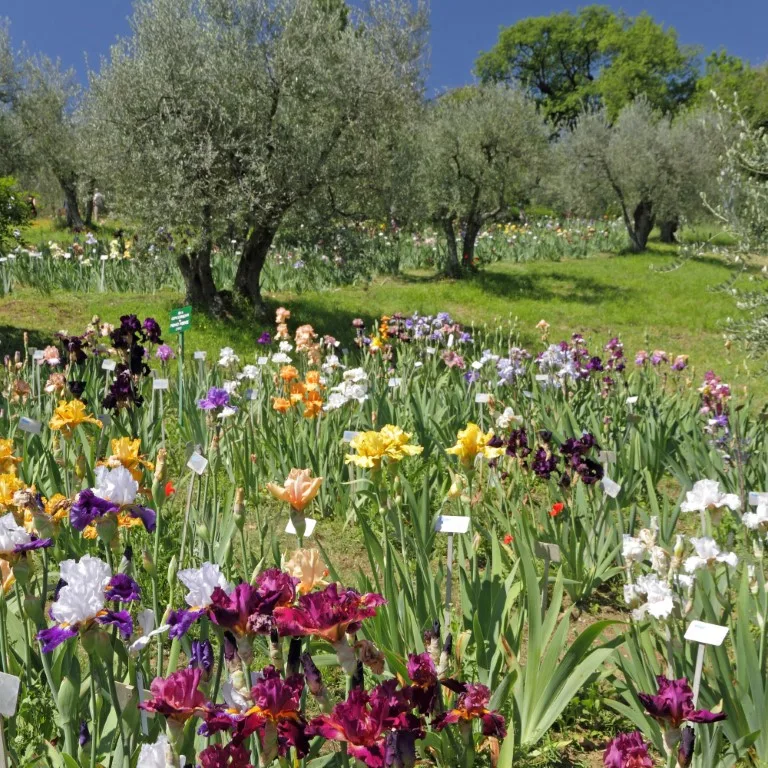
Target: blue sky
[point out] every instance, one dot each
(461, 29)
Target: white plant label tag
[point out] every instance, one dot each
(262, 361)
(251, 394)
(607, 457)
(124, 694)
(757, 497)
(309, 523)
(527, 393)
(431, 350)
(611, 487)
(108, 365)
(706, 634)
(541, 377)
(632, 400)
(9, 694)
(38, 355)
(549, 552)
(482, 397)
(450, 341)
(30, 425)
(452, 524)
(160, 384)
(395, 382)
(105, 419)
(349, 436)
(201, 354)
(197, 463)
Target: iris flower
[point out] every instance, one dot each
(69, 415)
(202, 583)
(298, 489)
(15, 541)
(627, 750)
(673, 705)
(8, 461)
(473, 442)
(177, 697)
(471, 704)
(125, 452)
(390, 443)
(81, 602)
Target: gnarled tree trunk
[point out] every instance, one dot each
(452, 265)
(74, 220)
(468, 244)
(667, 229)
(643, 221)
(195, 268)
(255, 251)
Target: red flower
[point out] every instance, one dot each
(169, 489)
(556, 509)
(177, 696)
(508, 539)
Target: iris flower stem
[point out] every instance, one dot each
(94, 723)
(3, 633)
(118, 711)
(27, 640)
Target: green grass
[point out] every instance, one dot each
(600, 297)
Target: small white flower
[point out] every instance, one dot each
(230, 386)
(116, 485)
(508, 418)
(355, 375)
(249, 372)
(146, 621)
(659, 598)
(660, 561)
(83, 596)
(633, 550)
(335, 401)
(708, 554)
(157, 755)
(281, 358)
(227, 357)
(757, 520)
(201, 583)
(633, 596)
(226, 412)
(331, 363)
(706, 494)
(285, 346)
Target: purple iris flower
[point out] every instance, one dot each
(472, 376)
(165, 353)
(201, 655)
(627, 749)
(265, 338)
(673, 704)
(216, 398)
(152, 330)
(123, 589)
(84, 736)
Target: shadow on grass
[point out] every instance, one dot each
(12, 339)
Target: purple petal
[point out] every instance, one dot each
(123, 589)
(146, 515)
(120, 619)
(54, 636)
(34, 544)
(181, 621)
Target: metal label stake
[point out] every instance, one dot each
(704, 634)
(450, 524)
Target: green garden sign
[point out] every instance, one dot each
(181, 319)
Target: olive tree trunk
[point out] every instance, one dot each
(643, 221)
(469, 242)
(248, 277)
(668, 229)
(452, 265)
(74, 220)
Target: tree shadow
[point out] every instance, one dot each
(12, 339)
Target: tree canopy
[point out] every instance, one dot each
(596, 57)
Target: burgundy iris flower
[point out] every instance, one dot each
(424, 683)
(177, 696)
(329, 614)
(229, 756)
(673, 704)
(472, 704)
(627, 750)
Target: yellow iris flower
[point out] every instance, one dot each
(472, 442)
(69, 415)
(8, 461)
(125, 452)
(391, 443)
(9, 484)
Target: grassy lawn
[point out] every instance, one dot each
(600, 297)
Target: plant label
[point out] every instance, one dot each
(394, 382)
(105, 419)
(108, 365)
(450, 341)
(706, 634)
(430, 350)
(549, 552)
(349, 436)
(527, 393)
(610, 487)
(29, 425)
(251, 394)
(197, 463)
(38, 355)
(542, 377)
(632, 400)
(262, 360)
(607, 457)
(9, 694)
(181, 320)
(160, 384)
(310, 524)
(125, 693)
(482, 397)
(452, 524)
(757, 497)
(201, 354)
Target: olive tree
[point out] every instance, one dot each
(651, 167)
(221, 114)
(482, 150)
